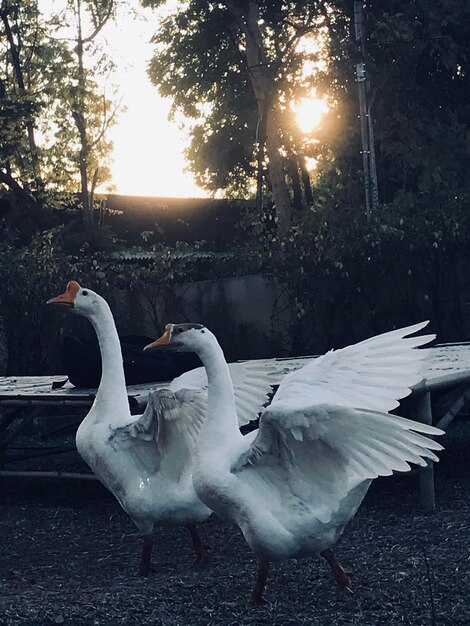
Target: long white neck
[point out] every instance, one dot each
(111, 402)
(221, 423)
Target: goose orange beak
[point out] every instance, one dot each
(163, 341)
(68, 297)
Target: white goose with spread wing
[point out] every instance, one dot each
(147, 460)
(293, 485)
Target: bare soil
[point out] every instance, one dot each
(69, 555)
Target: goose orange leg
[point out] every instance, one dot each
(262, 575)
(145, 561)
(341, 577)
(199, 546)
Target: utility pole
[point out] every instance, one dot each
(367, 134)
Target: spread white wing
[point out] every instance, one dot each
(319, 454)
(178, 412)
(373, 374)
(326, 430)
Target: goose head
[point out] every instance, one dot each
(78, 300)
(182, 337)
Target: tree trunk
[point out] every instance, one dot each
(306, 182)
(262, 81)
(94, 183)
(24, 211)
(292, 166)
(83, 168)
(277, 177)
(78, 114)
(16, 62)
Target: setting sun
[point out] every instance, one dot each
(309, 112)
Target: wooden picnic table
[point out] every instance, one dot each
(23, 398)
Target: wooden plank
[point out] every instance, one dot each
(15, 384)
(10, 435)
(46, 474)
(455, 409)
(35, 453)
(448, 365)
(444, 381)
(426, 474)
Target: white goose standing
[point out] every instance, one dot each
(293, 485)
(146, 461)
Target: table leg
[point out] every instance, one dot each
(426, 474)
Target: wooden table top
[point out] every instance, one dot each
(448, 365)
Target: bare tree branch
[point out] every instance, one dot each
(102, 22)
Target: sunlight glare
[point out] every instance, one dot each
(309, 112)
(311, 164)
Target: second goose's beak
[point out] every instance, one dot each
(163, 341)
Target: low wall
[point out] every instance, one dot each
(252, 317)
(249, 315)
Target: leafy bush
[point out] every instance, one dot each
(31, 274)
(349, 278)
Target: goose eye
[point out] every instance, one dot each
(178, 330)
(84, 293)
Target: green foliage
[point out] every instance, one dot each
(31, 274)
(200, 63)
(417, 60)
(349, 278)
(40, 81)
(197, 66)
(32, 68)
(27, 274)
(345, 278)
(61, 152)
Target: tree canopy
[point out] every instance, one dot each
(54, 113)
(235, 68)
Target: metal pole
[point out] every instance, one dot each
(367, 133)
(373, 166)
(361, 85)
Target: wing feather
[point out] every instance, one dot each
(327, 450)
(252, 386)
(169, 416)
(181, 407)
(373, 374)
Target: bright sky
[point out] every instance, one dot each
(148, 149)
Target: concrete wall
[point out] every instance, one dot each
(249, 315)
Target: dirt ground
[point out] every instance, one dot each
(69, 555)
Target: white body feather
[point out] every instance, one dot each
(149, 477)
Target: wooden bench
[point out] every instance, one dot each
(25, 398)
